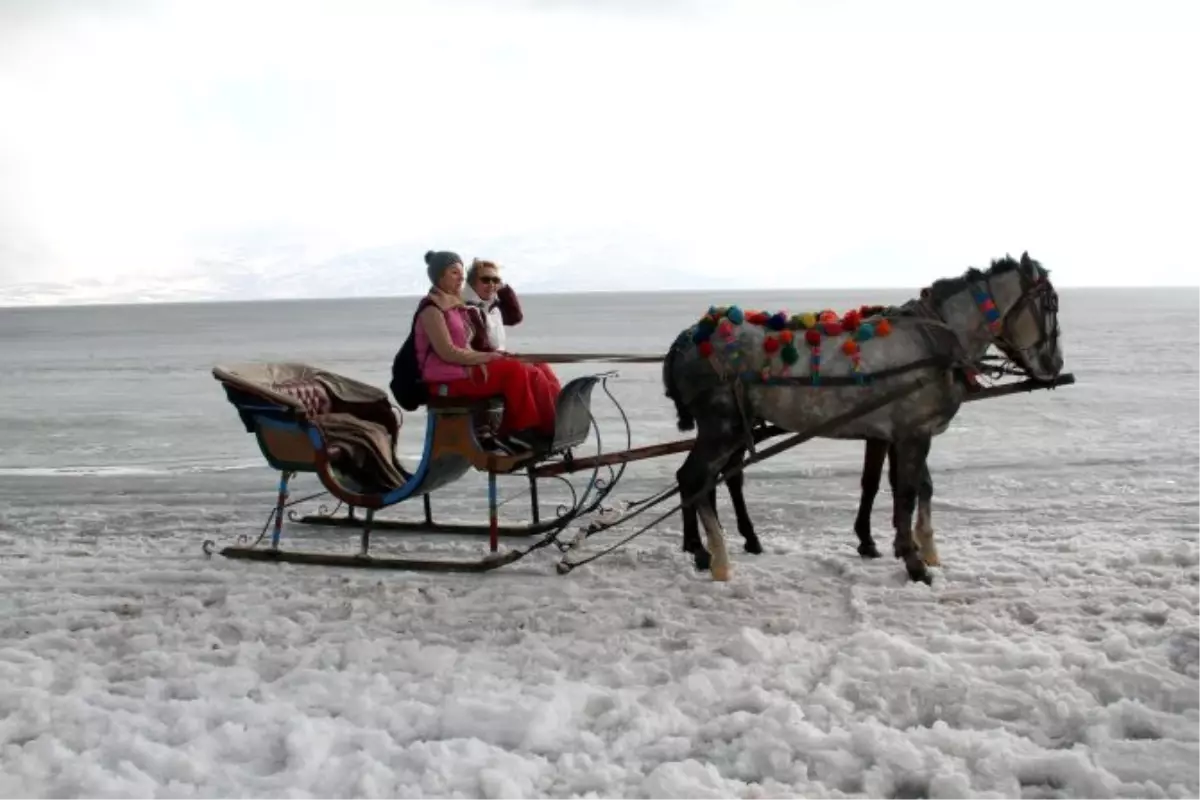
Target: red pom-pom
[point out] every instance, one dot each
(705, 348)
(849, 347)
(812, 336)
(851, 320)
(833, 328)
(770, 344)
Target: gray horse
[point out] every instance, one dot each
(727, 378)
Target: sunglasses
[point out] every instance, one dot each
(490, 279)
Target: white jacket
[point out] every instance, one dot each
(494, 313)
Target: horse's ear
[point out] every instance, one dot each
(1025, 262)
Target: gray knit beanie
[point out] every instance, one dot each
(438, 262)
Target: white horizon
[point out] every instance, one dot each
(267, 150)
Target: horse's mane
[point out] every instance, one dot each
(946, 288)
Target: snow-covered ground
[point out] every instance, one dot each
(1055, 655)
(1036, 666)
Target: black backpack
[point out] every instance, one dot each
(407, 387)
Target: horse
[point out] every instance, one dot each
(723, 373)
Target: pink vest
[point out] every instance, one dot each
(433, 368)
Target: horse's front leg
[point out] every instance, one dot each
(716, 541)
(909, 459)
(924, 531)
(691, 539)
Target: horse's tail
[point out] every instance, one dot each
(685, 421)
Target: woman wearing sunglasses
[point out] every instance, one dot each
(493, 304)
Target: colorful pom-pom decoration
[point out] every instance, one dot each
(770, 344)
(789, 354)
(809, 319)
(735, 315)
(832, 328)
(864, 332)
(883, 327)
(777, 322)
(851, 320)
(786, 336)
(705, 348)
(850, 347)
(702, 334)
(813, 337)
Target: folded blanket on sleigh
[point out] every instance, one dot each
(355, 419)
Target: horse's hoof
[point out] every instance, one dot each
(720, 572)
(917, 572)
(753, 546)
(932, 560)
(868, 550)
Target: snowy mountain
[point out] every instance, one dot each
(281, 266)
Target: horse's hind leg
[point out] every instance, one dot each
(909, 458)
(924, 530)
(874, 453)
(735, 482)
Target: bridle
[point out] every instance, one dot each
(1034, 288)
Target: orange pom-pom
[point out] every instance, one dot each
(849, 347)
(786, 336)
(883, 328)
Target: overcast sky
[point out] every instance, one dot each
(785, 143)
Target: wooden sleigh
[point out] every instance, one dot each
(343, 431)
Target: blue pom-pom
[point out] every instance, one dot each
(865, 331)
(735, 315)
(778, 321)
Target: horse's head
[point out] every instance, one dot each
(1025, 318)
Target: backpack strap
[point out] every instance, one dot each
(421, 306)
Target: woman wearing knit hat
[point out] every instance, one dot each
(451, 368)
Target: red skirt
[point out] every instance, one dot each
(530, 392)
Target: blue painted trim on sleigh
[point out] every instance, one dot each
(413, 484)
